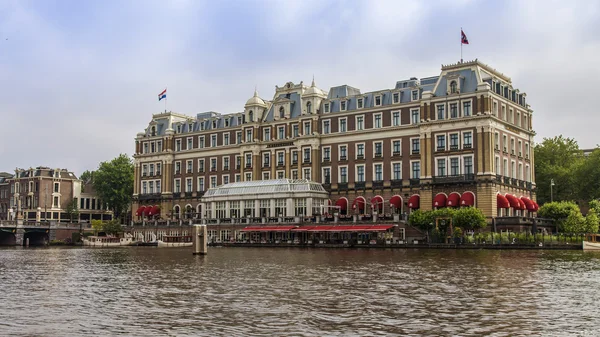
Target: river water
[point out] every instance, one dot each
(146, 291)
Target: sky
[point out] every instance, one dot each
(79, 79)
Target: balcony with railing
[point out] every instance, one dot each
(454, 147)
(458, 178)
(360, 185)
(280, 164)
(377, 183)
(467, 146)
(149, 196)
(360, 156)
(396, 183)
(343, 158)
(440, 148)
(396, 154)
(414, 182)
(343, 186)
(415, 152)
(378, 155)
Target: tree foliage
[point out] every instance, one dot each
(558, 211)
(464, 217)
(591, 221)
(469, 217)
(86, 177)
(574, 223)
(595, 205)
(108, 227)
(72, 210)
(113, 182)
(588, 176)
(557, 159)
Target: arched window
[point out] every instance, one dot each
(251, 116)
(309, 107)
(453, 87)
(176, 212)
(281, 112)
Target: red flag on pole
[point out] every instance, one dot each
(463, 38)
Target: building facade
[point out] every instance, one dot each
(44, 194)
(461, 138)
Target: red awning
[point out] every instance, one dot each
(359, 202)
(537, 207)
(439, 200)
(523, 207)
(153, 211)
(377, 202)
(342, 203)
(351, 228)
(413, 202)
(453, 200)
(528, 204)
(268, 228)
(513, 201)
(467, 199)
(502, 201)
(396, 202)
(140, 211)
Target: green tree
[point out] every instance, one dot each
(574, 223)
(86, 177)
(112, 227)
(591, 222)
(72, 210)
(588, 176)
(469, 217)
(97, 225)
(595, 205)
(557, 159)
(113, 182)
(421, 219)
(558, 211)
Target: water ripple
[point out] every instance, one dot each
(297, 292)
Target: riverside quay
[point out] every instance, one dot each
(459, 139)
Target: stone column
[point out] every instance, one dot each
(273, 163)
(315, 157)
(288, 161)
(480, 159)
(272, 208)
(309, 206)
(290, 207)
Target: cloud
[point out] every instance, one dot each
(80, 79)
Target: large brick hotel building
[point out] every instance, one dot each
(463, 137)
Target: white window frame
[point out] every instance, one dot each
(449, 114)
(380, 115)
(189, 166)
(356, 166)
(462, 107)
(411, 172)
(266, 174)
(282, 172)
(203, 185)
(210, 178)
(497, 165)
(226, 140)
(375, 97)
(392, 122)
(203, 166)
(223, 162)
(281, 127)
(362, 106)
(374, 153)
(340, 151)
(392, 163)
(411, 145)
(394, 100)
(356, 122)
(435, 139)
(323, 153)
(436, 111)
(326, 108)
(344, 105)
(266, 130)
(412, 95)
(461, 141)
(215, 137)
(323, 175)
(418, 111)
(345, 119)
(392, 146)
(175, 181)
(449, 166)
(339, 176)
(374, 171)
(304, 173)
(436, 166)
(356, 150)
(323, 126)
(191, 184)
(216, 164)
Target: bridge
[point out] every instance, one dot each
(25, 233)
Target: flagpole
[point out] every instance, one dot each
(461, 43)
(166, 96)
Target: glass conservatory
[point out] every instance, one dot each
(279, 198)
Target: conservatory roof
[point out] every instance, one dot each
(265, 186)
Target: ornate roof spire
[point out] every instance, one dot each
(313, 82)
(255, 91)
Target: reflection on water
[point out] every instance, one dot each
(317, 292)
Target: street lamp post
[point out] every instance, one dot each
(551, 184)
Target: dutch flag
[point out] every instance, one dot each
(162, 95)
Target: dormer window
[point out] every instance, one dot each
(226, 122)
(281, 112)
(453, 87)
(153, 131)
(343, 106)
(396, 97)
(239, 120)
(326, 107)
(415, 95)
(179, 128)
(202, 126)
(359, 103)
(214, 124)
(308, 107)
(377, 100)
(190, 127)
(251, 116)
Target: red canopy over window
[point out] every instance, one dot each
(528, 204)
(502, 201)
(439, 200)
(513, 201)
(140, 211)
(377, 202)
(153, 211)
(359, 203)
(342, 203)
(413, 202)
(344, 228)
(537, 207)
(453, 200)
(396, 202)
(268, 228)
(467, 199)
